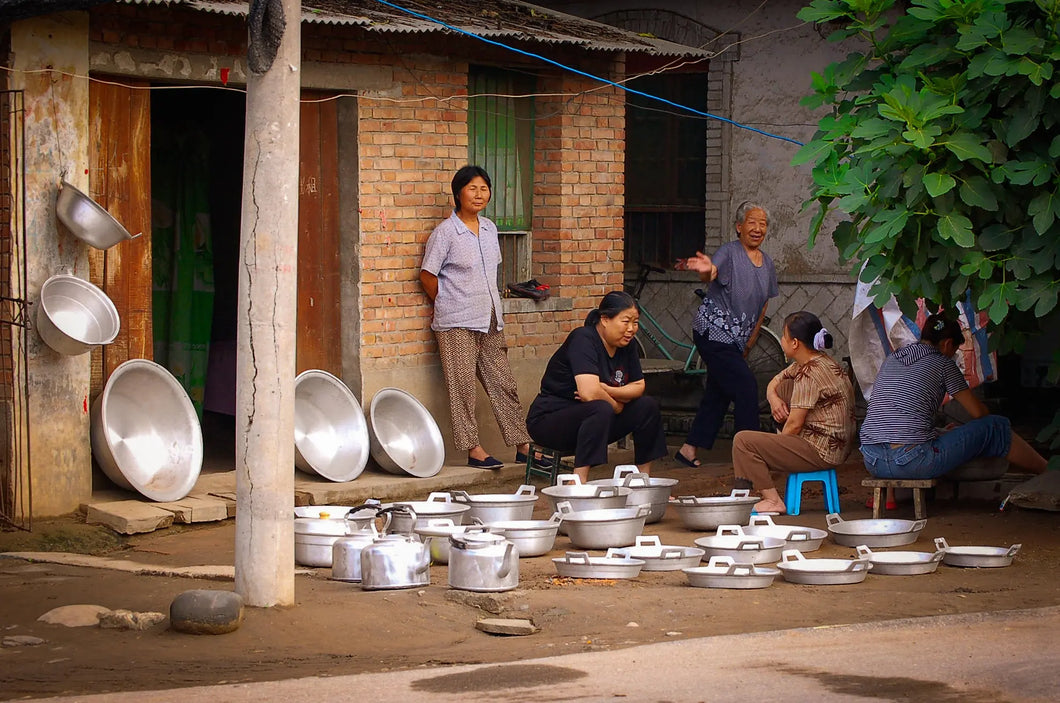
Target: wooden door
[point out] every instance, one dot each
(120, 180)
(319, 301)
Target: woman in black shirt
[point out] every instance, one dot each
(592, 392)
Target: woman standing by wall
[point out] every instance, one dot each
(742, 280)
(459, 274)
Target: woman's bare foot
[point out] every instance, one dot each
(771, 506)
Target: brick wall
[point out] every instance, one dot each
(410, 143)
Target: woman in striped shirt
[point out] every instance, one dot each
(813, 401)
(898, 437)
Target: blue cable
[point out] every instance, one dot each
(588, 75)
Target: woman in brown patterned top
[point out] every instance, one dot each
(813, 401)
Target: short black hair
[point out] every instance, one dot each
(611, 305)
(464, 176)
(939, 327)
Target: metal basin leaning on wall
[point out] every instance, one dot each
(330, 431)
(145, 433)
(405, 439)
(87, 220)
(75, 315)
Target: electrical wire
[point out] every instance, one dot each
(584, 74)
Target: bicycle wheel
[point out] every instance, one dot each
(766, 360)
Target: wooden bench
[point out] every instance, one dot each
(917, 485)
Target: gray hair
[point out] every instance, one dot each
(746, 207)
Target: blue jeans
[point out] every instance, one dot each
(986, 436)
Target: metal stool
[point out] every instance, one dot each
(793, 495)
(555, 455)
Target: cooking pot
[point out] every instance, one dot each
(317, 528)
(644, 489)
(607, 527)
(87, 220)
(873, 533)
(437, 505)
(395, 560)
(495, 507)
(708, 513)
(570, 489)
(482, 562)
(436, 536)
(346, 551)
(532, 537)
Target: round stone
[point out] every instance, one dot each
(206, 612)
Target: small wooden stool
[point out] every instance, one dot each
(916, 484)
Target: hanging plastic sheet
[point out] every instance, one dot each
(876, 332)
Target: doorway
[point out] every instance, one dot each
(197, 186)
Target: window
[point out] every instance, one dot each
(666, 152)
(501, 140)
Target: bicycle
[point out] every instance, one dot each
(766, 358)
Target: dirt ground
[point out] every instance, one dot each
(336, 628)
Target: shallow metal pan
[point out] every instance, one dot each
(979, 557)
(658, 556)
(805, 539)
(730, 541)
(873, 533)
(580, 565)
(723, 572)
(901, 563)
(822, 572)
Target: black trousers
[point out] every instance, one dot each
(587, 428)
(729, 381)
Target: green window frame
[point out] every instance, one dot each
(501, 140)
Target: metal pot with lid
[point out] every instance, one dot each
(395, 560)
(482, 561)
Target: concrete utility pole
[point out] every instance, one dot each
(268, 268)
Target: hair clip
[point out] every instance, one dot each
(939, 325)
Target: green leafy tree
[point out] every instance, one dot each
(941, 145)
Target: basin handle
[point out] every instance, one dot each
(717, 561)
(526, 490)
(568, 480)
(757, 520)
(623, 469)
(648, 541)
(864, 551)
(724, 530)
(941, 544)
(459, 496)
(1013, 550)
(833, 519)
(797, 535)
(578, 558)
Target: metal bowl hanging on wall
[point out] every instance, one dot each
(145, 433)
(74, 315)
(87, 220)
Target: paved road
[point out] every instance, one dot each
(977, 658)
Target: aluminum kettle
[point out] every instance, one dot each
(482, 562)
(395, 560)
(346, 551)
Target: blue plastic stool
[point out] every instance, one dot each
(793, 496)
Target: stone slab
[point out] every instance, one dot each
(196, 508)
(229, 501)
(128, 517)
(215, 572)
(506, 626)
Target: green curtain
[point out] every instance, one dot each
(182, 251)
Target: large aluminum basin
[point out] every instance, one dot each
(75, 315)
(145, 433)
(330, 431)
(405, 438)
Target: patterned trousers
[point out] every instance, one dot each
(467, 355)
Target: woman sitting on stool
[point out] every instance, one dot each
(813, 401)
(592, 392)
(898, 437)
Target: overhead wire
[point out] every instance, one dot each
(585, 74)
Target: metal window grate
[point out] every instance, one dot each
(15, 485)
